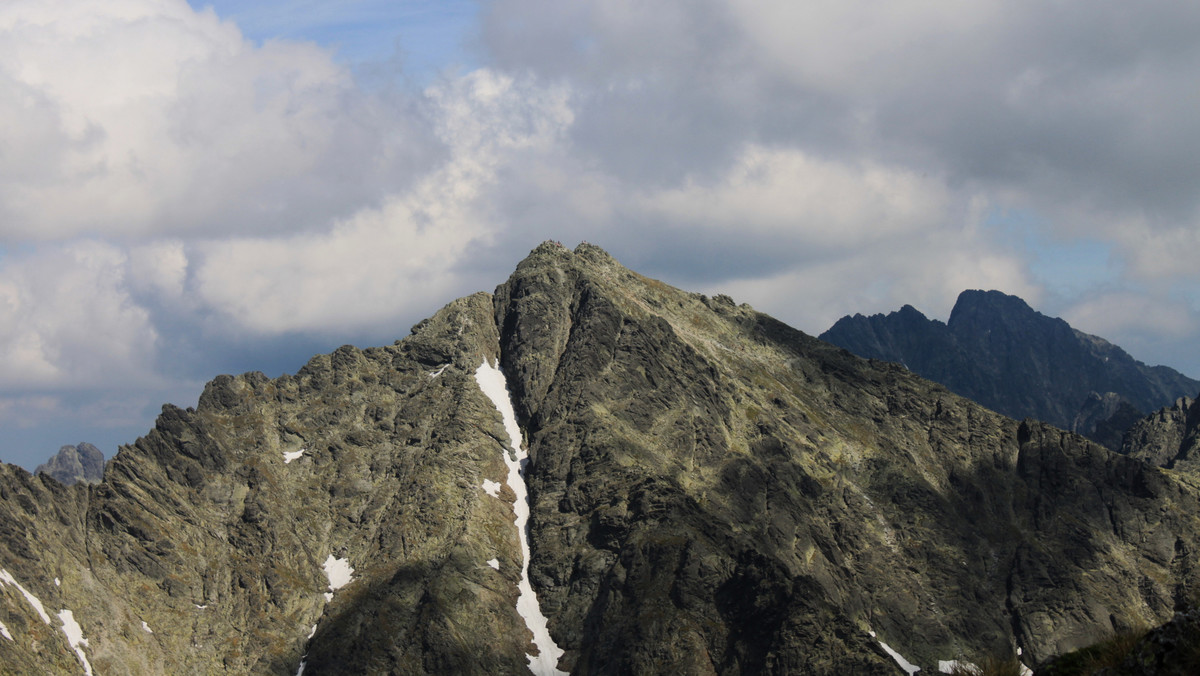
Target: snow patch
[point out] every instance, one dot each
(493, 384)
(494, 563)
(146, 628)
(434, 374)
(288, 457)
(491, 488)
(57, 583)
(328, 596)
(200, 606)
(311, 633)
(75, 637)
(4, 632)
(7, 577)
(910, 668)
(339, 572)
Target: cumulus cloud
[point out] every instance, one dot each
(70, 321)
(785, 192)
(383, 261)
(1083, 105)
(139, 117)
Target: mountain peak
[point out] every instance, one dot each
(709, 491)
(999, 351)
(72, 464)
(974, 305)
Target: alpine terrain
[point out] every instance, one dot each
(591, 472)
(72, 464)
(998, 351)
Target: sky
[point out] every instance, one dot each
(189, 189)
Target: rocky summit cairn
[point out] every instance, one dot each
(708, 491)
(73, 464)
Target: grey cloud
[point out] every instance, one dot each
(1087, 102)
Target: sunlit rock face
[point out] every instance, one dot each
(708, 491)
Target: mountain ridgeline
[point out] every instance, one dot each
(710, 492)
(998, 351)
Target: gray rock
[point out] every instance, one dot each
(73, 464)
(1169, 438)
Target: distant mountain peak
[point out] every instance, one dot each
(999, 351)
(73, 464)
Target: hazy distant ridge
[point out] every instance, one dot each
(1000, 352)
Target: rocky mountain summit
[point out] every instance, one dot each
(72, 464)
(709, 492)
(998, 351)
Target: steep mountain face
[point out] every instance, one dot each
(710, 491)
(1169, 438)
(998, 351)
(72, 464)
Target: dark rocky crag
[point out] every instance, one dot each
(72, 464)
(998, 351)
(712, 492)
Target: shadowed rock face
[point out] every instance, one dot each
(73, 464)
(998, 351)
(712, 492)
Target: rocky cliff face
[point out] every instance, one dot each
(72, 464)
(998, 351)
(1168, 438)
(711, 491)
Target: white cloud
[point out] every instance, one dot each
(70, 322)
(1162, 253)
(136, 117)
(159, 268)
(386, 260)
(1127, 313)
(777, 191)
(863, 47)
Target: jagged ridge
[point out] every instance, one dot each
(998, 351)
(712, 492)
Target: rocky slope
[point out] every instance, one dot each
(72, 464)
(1169, 438)
(998, 351)
(711, 491)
